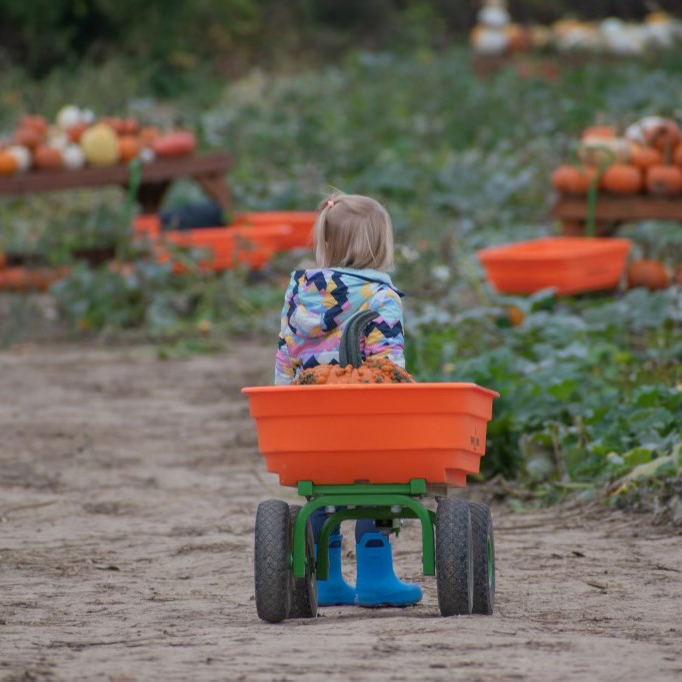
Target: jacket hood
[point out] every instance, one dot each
(323, 304)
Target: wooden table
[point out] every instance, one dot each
(209, 170)
(612, 210)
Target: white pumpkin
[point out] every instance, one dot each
(22, 155)
(489, 41)
(146, 155)
(637, 132)
(87, 116)
(68, 116)
(493, 15)
(73, 157)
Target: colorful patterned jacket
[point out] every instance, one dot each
(316, 306)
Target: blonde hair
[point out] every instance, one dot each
(353, 231)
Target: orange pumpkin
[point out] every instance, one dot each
(664, 180)
(8, 164)
(622, 179)
(677, 156)
(351, 368)
(130, 126)
(36, 123)
(27, 137)
(117, 124)
(603, 132)
(148, 136)
(47, 158)
(179, 143)
(128, 148)
(644, 157)
(75, 131)
(663, 136)
(573, 180)
(649, 274)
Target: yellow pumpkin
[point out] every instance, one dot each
(100, 145)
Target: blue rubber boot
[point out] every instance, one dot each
(334, 591)
(377, 584)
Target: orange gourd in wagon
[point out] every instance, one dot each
(573, 180)
(622, 179)
(8, 164)
(664, 180)
(649, 274)
(351, 368)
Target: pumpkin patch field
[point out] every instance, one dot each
(129, 470)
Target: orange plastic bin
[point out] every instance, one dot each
(571, 265)
(372, 433)
(301, 223)
(227, 246)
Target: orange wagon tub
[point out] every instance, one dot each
(372, 433)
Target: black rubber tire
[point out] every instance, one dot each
(304, 597)
(454, 557)
(484, 562)
(274, 578)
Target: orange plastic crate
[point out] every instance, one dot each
(372, 433)
(31, 279)
(227, 246)
(572, 265)
(301, 222)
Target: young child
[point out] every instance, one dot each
(353, 240)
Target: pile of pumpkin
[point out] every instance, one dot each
(496, 34)
(645, 157)
(78, 139)
(352, 369)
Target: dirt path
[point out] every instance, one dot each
(128, 489)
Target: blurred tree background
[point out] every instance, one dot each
(170, 37)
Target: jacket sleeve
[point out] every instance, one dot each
(284, 367)
(384, 335)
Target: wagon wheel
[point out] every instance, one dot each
(304, 598)
(454, 557)
(274, 578)
(484, 558)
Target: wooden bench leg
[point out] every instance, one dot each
(215, 186)
(150, 195)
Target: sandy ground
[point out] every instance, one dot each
(128, 490)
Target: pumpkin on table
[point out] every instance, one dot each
(574, 180)
(351, 368)
(100, 145)
(8, 163)
(622, 179)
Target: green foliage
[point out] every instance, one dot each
(590, 388)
